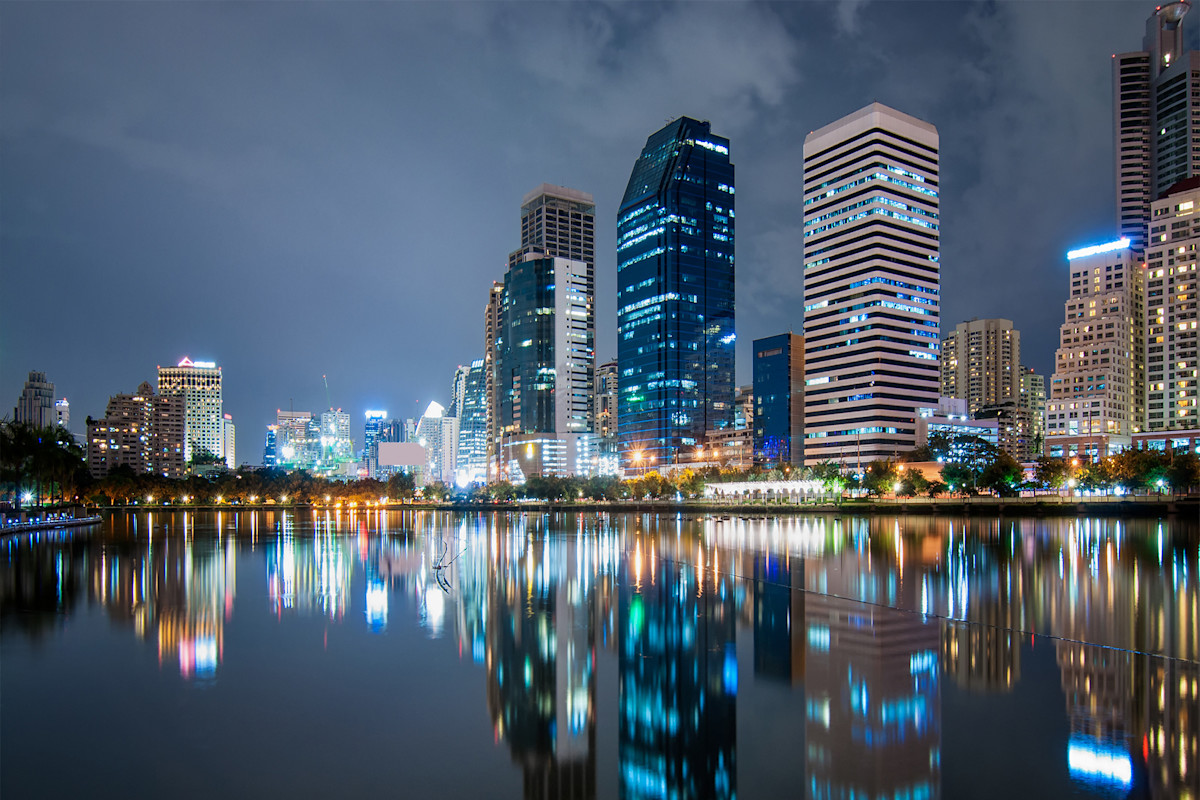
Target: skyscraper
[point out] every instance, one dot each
(1097, 390)
(546, 369)
(142, 431)
(458, 388)
(981, 362)
(779, 399)
(36, 405)
(229, 440)
(199, 383)
(491, 332)
(871, 284)
(1156, 104)
(1171, 318)
(472, 426)
(372, 429)
(675, 293)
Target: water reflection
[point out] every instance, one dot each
(860, 620)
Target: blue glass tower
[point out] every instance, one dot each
(779, 399)
(675, 331)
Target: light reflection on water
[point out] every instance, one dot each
(877, 628)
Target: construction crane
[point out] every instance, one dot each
(327, 400)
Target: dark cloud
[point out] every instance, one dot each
(303, 189)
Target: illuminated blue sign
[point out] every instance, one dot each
(1107, 247)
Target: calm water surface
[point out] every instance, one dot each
(423, 654)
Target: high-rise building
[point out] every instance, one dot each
(980, 362)
(199, 383)
(743, 407)
(1171, 320)
(270, 455)
(458, 388)
(142, 431)
(675, 294)
(1033, 401)
(545, 368)
(438, 434)
(337, 446)
(297, 440)
(871, 284)
(371, 437)
(229, 440)
(604, 406)
(35, 406)
(1097, 391)
(471, 459)
(779, 399)
(62, 413)
(1156, 104)
(491, 333)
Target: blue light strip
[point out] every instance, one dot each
(1107, 247)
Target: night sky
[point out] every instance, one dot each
(299, 189)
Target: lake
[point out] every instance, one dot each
(508, 655)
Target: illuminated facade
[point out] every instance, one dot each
(438, 434)
(491, 333)
(372, 428)
(546, 368)
(36, 404)
(1171, 318)
(1033, 402)
(229, 440)
(1097, 391)
(199, 383)
(779, 399)
(981, 361)
(472, 464)
(1156, 105)
(675, 294)
(142, 431)
(871, 284)
(297, 440)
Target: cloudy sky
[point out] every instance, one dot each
(305, 189)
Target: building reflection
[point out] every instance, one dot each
(858, 619)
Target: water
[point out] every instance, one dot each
(424, 654)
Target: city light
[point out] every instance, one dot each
(1107, 247)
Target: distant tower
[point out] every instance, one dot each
(871, 284)
(1156, 117)
(675, 294)
(491, 385)
(981, 361)
(36, 404)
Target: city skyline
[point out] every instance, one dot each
(291, 219)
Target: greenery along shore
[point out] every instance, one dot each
(46, 466)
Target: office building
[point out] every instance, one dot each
(199, 383)
(779, 399)
(372, 429)
(491, 332)
(871, 284)
(458, 388)
(1033, 403)
(438, 434)
(229, 440)
(546, 368)
(949, 418)
(605, 402)
(743, 407)
(35, 406)
(675, 294)
(1171, 321)
(142, 431)
(62, 413)
(337, 446)
(471, 458)
(1097, 391)
(1156, 93)
(981, 361)
(297, 440)
(270, 452)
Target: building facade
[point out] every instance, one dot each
(675, 293)
(981, 361)
(142, 431)
(1033, 402)
(871, 284)
(546, 370)
(779, 399)
(1171, 358)
(472, 463)
(1156, 104)
(199, 384)
(1097, 391)
(35, 406)
(491, 333)
(229, 440)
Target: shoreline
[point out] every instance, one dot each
(979, 506)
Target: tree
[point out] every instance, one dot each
(401, 486)
(880, 477)
(1002, 475)
(436, 491)
(1052, 472)
(203, 457)
(1183, 472)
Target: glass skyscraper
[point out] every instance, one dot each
(779, 399)
(675, 329)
